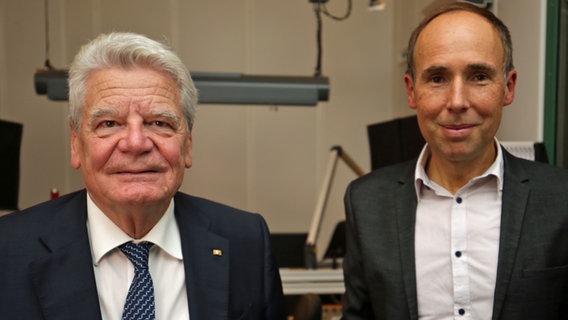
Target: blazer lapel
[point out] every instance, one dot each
(405, 204)
(515, 197)
(206, 259)
(64, 279)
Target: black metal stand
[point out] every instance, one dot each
(310, 250)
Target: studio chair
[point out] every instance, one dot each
(309, 307)
(336, 247)
(288, 249)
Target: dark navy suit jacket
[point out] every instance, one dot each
(46, 268)
(532, 272)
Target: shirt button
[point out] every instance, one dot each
(461, 312)
(459, 200)
(458, 254)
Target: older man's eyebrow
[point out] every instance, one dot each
(166, 114)
(101, 112)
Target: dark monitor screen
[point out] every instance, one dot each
(288, 249)
(394, 141)
(10, 140)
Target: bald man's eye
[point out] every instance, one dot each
(480, 77)
(437, 79)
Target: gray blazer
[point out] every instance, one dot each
(532, 273)
(46, 269)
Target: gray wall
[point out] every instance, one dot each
(267, 159)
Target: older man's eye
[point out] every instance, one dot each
(106, 127)
(108, 124)
(162, 126)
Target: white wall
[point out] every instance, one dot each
(267, 159)
(526, 19)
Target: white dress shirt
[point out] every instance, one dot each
(457, 244)
(114, 272)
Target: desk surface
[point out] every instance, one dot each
(5, 212)
(318, 281)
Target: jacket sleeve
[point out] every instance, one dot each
(356, 301)
(274, 299)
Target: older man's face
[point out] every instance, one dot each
(133, 145)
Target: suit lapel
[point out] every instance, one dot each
(64, 279)
(515, 197)
(206, 259)
(405, 214)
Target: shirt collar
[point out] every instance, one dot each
(421, 178)
(105, 236)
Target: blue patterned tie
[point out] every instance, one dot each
(139, 303)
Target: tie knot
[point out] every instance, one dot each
(137, 253)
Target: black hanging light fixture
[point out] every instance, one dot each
(213, 87)
(49, 80)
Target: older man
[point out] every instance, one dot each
(466, 231)
(130, 246)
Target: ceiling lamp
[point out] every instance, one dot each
(220, 88)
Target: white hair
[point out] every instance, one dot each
(127, 50)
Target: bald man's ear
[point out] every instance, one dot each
(409, 83)
(510, 84)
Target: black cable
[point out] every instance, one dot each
(317, 10)
(345, 16)
(320, 7)
(46, 18)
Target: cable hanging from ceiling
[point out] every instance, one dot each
(319, 8)
(47, 63)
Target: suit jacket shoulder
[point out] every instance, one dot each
(538, 173)
(380, 211)
(230, 270)
(222, 219)
(385, 177)
(46, 270)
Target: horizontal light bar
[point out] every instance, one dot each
(220, 88)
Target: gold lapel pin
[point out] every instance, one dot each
(217, 252)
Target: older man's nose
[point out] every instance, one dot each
(135, 140)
